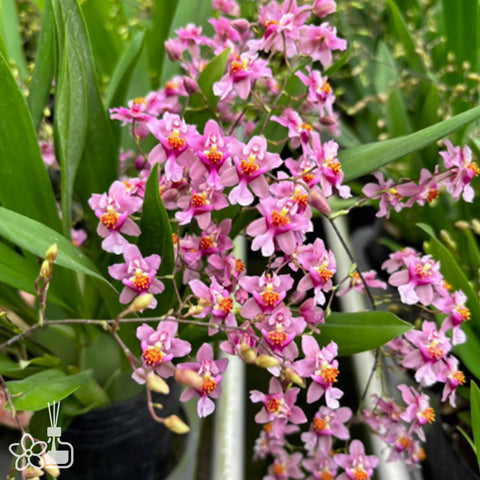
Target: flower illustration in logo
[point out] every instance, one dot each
(31, 451)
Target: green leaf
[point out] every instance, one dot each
(25, 188)
(212, 72)
(453, 274)
(10, 32)
(206, 100)
(70, 123)
(98, 167)
(118, 85)
(44, 69)
(386, 77)
(468, 351)
(156, 237)
(360, 331)
(36, 238)
(162, 18)
(106, 41)
(475, 412)
(358, 161)
(408, 43)
(460, 23)
(19, 272)
(38, 390)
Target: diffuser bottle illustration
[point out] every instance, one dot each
(60, 452)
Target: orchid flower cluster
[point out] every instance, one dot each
(459, 169)
(272, 319)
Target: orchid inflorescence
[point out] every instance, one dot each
(273, 319)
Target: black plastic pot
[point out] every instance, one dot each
(120, 442)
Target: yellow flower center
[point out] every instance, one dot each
(152, 356)
(198, 200)
(141, 281)
(208, 384)
(279, 219)
(249, 165)
(273, 405)
(175, 142)
(109, 218)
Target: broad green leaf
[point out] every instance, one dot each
(25, 188)
(156, 237)
(361, 331)
(468, 351)
(460, 24)
(212, 72)
(475, 413)
(397, 119)
(118, 85)
(358, 161)
(8, 366)
(98, 167)
(70, 123)
(453, 274)
(159, 31)
(104, 21)
(36, 238)
(10, 32)
(19, 272)
(44, 69)
(156, 234)
(63, 341)
(38, 390)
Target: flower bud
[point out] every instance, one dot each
(49, 465)
(176, 425)
(476, 226)
(51, 253)
(462, 225)
(293, 377)
(189, 378)
(173, 50)
(190, 85)
(157, 384)
(447, 240)
(194, 310)
(322, 8)
(240, 25)
(317, 201)
(45, 269)
(266, 361)
(33, 473)
(248, 353)
(141, 302)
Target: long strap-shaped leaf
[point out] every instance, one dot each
(358, 161)
(36, 238)
(25, 185)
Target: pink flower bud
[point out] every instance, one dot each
(240, 25)
(322, 8)
(317, 201)
(190, 85)
(173, 50)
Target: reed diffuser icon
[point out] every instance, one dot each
(60, 452)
